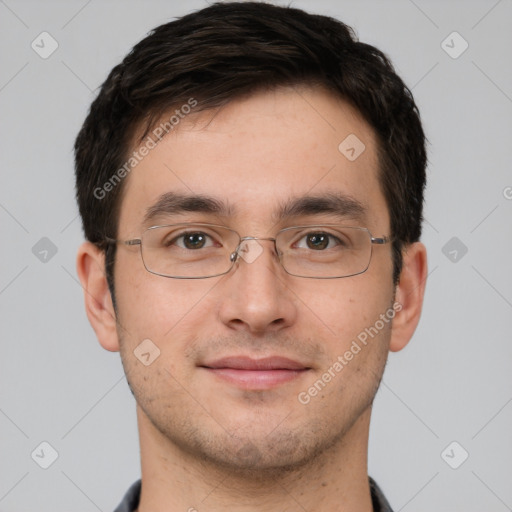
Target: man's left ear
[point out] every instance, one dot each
(409, 295)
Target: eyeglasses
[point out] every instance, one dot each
(199, 251)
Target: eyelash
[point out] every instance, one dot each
(182, 236)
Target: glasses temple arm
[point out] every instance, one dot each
(381, 241)
(135, 241)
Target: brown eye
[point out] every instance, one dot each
(194, 240)
(317, 241)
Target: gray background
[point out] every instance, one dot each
(452, 383)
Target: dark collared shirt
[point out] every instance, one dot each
(131, 500)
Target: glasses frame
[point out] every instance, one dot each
(234, 256)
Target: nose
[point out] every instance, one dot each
(255, 295)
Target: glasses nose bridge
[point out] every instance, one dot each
(236, 253)
(256, 238)
(243, 238)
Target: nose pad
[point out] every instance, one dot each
(250, 250)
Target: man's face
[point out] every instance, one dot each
(254, 156)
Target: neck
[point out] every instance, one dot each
(177, 480)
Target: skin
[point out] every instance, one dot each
(211, 445)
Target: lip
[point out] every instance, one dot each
(256, 374)
(248, 363)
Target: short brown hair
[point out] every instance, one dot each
(232, 49)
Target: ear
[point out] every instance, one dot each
(409, 295)
(90, 266)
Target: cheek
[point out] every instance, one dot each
(345, 307)
(151, 306)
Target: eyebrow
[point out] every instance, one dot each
(173, 203)
(337, 204)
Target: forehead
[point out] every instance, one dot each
(256, 154)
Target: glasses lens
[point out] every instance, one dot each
(324, 251)
(188, 250)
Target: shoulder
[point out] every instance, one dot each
(131, 499)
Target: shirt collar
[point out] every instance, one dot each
(132, 497)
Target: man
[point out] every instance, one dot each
(250, 180)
